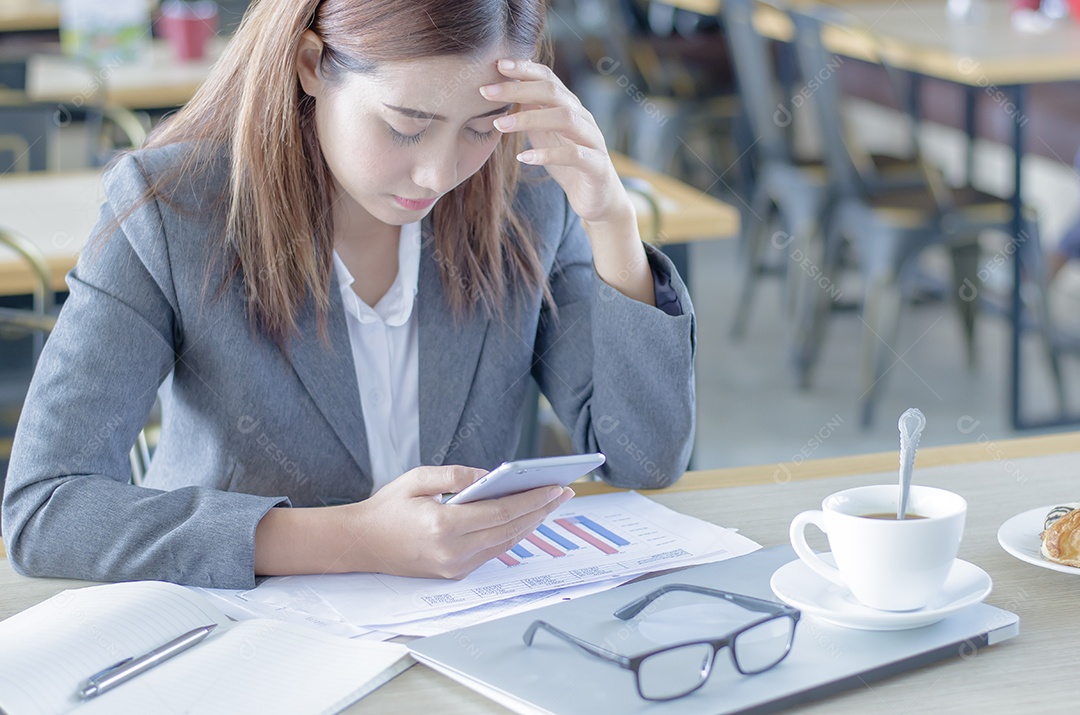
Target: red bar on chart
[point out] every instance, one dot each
(544, 546)
(586, 536)
(508, 559)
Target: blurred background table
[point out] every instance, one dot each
(156, 81)
(56, 212)
(25, 15)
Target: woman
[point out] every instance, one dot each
(328, 264)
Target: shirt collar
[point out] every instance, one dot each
(396, 306)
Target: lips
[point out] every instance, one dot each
(414, 204)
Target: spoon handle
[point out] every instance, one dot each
(911, 425)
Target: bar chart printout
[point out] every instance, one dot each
(548, 540)
(587, 540)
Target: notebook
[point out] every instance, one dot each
(47, 652)
(554, 677)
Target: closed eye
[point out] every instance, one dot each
(404, 139)
(481, 136)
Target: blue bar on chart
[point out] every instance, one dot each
(554, 536)
(596, 528)
(521, 552)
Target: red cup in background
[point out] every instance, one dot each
(188, 27)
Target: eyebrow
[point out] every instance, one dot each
(417, 114)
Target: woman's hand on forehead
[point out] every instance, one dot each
(562, 135)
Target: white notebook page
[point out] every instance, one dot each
(48, 652)
(260, 667)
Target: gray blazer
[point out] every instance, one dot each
(247, 427)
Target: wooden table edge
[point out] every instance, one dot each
(980, 449)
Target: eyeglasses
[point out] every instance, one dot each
(677, 670)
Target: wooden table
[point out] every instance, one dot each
(156, 81)
(1034, 672)
(26, 15)
(686, 214)
(56, 212)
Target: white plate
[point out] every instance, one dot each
(1020, 537)
(797, 585)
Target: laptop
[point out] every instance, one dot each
(553, 676)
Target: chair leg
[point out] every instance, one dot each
(1029, 253)
(881, 322)
(814, 302)
(756, 230)
(965, 269)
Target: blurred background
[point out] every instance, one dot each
(873, 203)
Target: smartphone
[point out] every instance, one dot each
(513, 477)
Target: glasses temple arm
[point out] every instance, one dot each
(754, 604)
(589, 648)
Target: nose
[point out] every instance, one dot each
(437, 170)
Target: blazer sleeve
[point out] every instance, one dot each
(68, 507)
(618, 373)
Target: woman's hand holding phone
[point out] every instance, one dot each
(404, 529)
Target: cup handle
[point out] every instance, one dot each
(797, 534)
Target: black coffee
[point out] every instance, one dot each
(891, 516)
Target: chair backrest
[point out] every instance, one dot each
(27, 131)
(821, 88)
(12, 74)
(757, 89)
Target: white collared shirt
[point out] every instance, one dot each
(385, 349)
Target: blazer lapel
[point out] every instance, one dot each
(449, 353)
(330, 376)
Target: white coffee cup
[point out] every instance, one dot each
(887, 564)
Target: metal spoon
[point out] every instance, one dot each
(911, 425)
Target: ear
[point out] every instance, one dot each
(308, 53)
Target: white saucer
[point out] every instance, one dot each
(797, 585)
(1020, 537)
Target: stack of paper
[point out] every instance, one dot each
(589, 544)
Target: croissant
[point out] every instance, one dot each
(1061, 535)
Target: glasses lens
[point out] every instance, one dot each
(675, 672)
(763, 646)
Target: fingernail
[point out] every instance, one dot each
(526, 157)
(504, 123)
(506, 64)
(491, 90)
(554, 492)
(567, 496)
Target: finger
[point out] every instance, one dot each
(434, 481)
(526, 69)
(576, 155)
(573, 124)
(536, 84)
(498, 513)
(540, 93)
(489, 543)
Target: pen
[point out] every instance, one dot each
(128, 668)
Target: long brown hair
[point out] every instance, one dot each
(279, 225)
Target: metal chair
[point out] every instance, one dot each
(795, 191)
(30, 129)
(887, 230)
